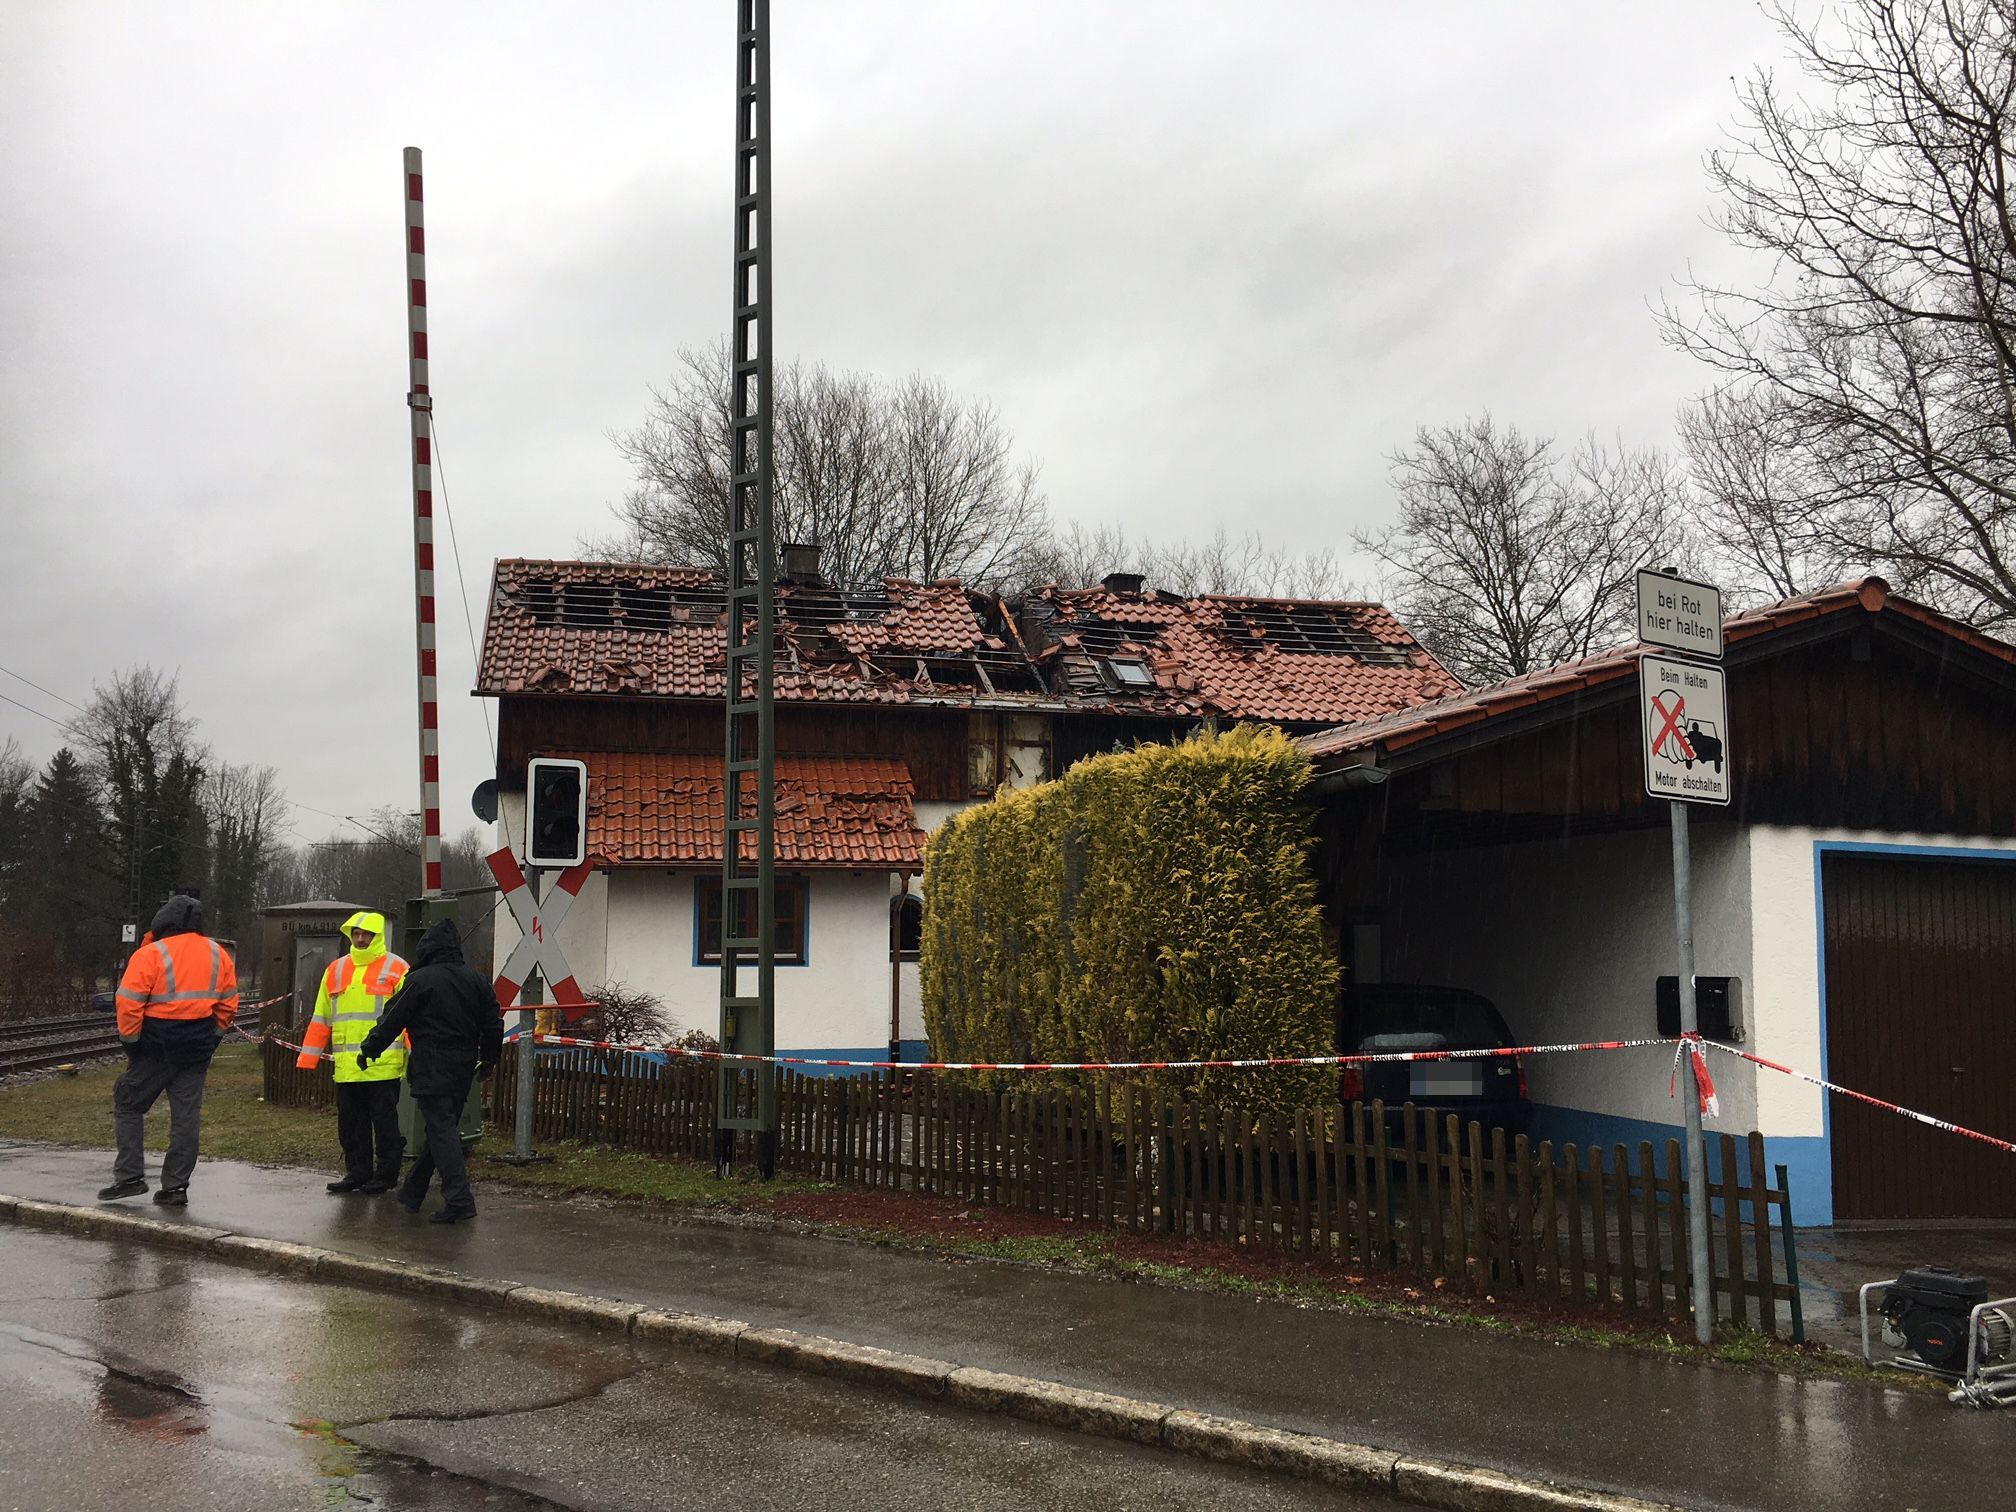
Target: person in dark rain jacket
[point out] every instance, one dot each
(450, 1014)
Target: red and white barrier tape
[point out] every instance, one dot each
(1704, 1084)
(1249, 1064)
(2006, 1146)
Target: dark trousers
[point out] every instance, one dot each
(367, 1124)
(441, 1117)
(144, 1080)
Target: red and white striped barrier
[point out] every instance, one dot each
(420, 404)
(1705, 1087)
(2006, 1146)
(1248, 1064)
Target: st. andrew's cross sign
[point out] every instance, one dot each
(538, 924)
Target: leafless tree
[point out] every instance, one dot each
(1078, 556)
(246, 812)
(1507, 559)
(374, 863)
(966, 508)
(1758, 513)
(890, 480)
(141, 748)
(628, 1015)
(1878, 358)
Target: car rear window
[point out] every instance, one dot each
(1417, 1023)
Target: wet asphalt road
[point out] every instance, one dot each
(137, 1377)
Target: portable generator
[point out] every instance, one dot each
(1955, 1330)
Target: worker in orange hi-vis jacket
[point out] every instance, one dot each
(176, 1000)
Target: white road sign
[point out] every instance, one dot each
(1685, 719)
(1680, 615)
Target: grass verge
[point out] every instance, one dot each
(238, 1124)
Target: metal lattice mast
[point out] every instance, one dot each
(748, 1093)
(420, 406)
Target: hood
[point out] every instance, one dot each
(375, 922)
(181, 914)
(441, 945)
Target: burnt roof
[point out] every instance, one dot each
(625, 629)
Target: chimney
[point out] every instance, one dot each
(801, 564)
(1122, 582)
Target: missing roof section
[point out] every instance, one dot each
(619, 605)
(1311, 630)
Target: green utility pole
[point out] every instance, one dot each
(748, 1092)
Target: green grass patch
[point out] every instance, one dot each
(239, 1124)
(598, 1171)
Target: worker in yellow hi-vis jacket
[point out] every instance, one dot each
(348, 1005)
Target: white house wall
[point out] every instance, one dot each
(838, 1001)
(1568, 939)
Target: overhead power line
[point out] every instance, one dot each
(61, 724)
(40, 689)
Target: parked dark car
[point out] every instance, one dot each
(1386, 1018)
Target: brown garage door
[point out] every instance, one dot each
(1921, 1010)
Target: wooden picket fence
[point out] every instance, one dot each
(287, 1085)
(1353, 1185)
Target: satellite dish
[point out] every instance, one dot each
(484, 800)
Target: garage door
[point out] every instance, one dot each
(1921, 1010)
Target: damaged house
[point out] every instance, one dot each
(895, 709)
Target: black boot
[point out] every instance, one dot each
(378, 1184)
(131, 1187)
(173, 1196)
(347, 1184)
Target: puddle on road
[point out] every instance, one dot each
(169, 1411)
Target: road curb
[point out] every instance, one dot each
(1306, 1456)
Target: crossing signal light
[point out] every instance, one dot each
(556, 801)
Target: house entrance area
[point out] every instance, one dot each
(1921, 1010)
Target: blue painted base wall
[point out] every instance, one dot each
(913, 1050)
(1805, 1160)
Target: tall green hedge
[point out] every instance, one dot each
(1155, 904)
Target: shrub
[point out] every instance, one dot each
(1155, 904)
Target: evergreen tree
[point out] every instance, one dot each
(63, 917)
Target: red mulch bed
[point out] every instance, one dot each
(944, 1219)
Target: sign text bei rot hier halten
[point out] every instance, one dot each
(1680, 615)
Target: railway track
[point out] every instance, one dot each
(38, 1044)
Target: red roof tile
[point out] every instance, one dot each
(617, 628)
(1403, 728)
(666, 810)
(1298, 661)
(612, 628)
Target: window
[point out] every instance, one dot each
(1126, 672)
(790, 937)
(909, 926)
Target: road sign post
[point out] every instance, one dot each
(1684, 716)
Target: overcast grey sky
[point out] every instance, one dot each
(1212, 263)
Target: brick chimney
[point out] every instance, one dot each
(801, 564)
(1122, 582)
